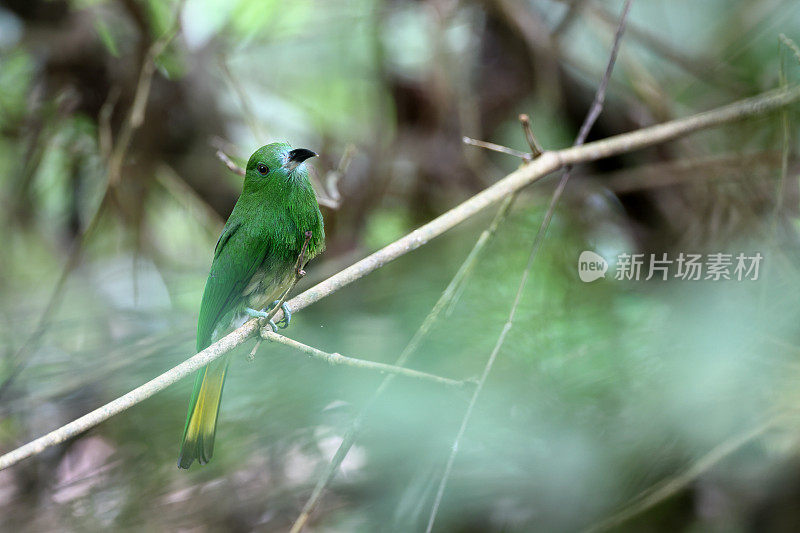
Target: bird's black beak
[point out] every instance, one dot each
(298, 155)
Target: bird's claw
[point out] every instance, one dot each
(256, 314)
(263, 314)
(287, 314)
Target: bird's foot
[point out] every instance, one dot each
(261, 314)
(287, 315)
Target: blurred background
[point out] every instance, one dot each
(679, 394)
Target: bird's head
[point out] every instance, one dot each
(277, 167)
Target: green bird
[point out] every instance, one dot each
(254, 263)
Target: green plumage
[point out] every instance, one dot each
(254, 262)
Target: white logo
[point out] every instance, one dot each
(591, 266)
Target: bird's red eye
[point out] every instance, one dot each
(262, 169)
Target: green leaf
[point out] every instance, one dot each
(106, 37)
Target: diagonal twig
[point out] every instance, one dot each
(536, 148)
(228, 162)
(497, 148)
(339, 359)
(333, 198)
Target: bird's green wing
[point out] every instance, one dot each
(237, 257)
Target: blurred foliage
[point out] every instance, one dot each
(601, 391)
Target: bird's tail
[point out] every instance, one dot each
(201, 422)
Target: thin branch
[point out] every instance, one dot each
(600, 95)
(333, 198)
(591, 118)
(539, 168)
(327, 202)
(671, 486)
(446, 299)
(233, 167)
(497, 148)
(339, 359)
(536, 148)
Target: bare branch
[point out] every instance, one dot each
(327, 202)
(536, 148)
(332, 198)
(233, 167)
(339, 359)
(497, 148)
